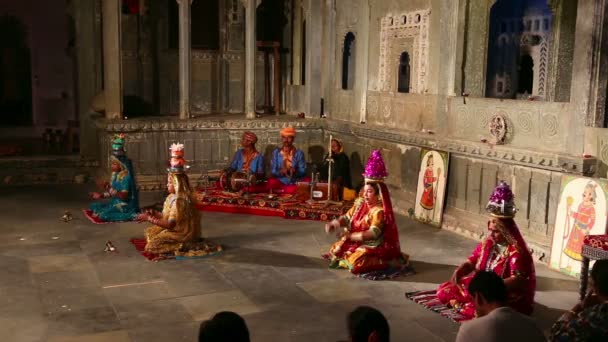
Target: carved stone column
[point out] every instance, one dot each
(587, 88)
(250, 52)
(329, 48)
(314, 39)
(184, 58)
(362, 66)
(111, 12)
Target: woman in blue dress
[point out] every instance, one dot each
(123, 203)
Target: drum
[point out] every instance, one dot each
(319, 193)
(233, 181)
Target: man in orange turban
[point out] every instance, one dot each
(246, 160)
(288, 165)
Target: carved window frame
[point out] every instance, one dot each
(414, 24)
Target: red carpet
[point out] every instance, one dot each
(287, 206)
(140, 245)
(89, 214)
(429, 300)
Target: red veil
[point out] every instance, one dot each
(390, 247)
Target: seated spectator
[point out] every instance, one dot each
(366, 324)
(588, 320)
(224, 326)
(496, 321)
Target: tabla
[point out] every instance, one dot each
(233, 181)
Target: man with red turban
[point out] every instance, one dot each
(247, 159)
(288, 165)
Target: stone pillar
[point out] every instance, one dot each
(276, 73)
(296, 54)
(476, 31)
(184, 58)
(362, 66)
(250, 53)
(87, 85)
(111, 18)
(329, 52)
(314, 39)
(587, 64)
(453, 30)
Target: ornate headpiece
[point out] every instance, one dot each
(288, 132)
(501, 203)
(177, 164)
(375, 170)
(118, 145)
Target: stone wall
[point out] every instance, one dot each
(474, 170)
(209, 143)
(474, 167)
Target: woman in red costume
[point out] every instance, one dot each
(504, 252)
(368, 244)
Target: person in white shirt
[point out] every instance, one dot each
(495, 321)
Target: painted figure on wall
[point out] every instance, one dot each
(427, 200)
(583, 220)
(581, 211)
(431, 187)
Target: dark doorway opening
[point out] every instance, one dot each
(403, 83)
(15, 74)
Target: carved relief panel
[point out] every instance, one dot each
(404, 32)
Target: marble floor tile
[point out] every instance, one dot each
(203, 307)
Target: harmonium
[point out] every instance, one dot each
(319, 193)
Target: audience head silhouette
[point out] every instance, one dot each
(599, 278)
(488, 291)
(366, 324)
(224, 326)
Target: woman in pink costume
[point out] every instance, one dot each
(504, 252)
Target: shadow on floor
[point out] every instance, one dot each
(555, 284)
(545, 316)
(427, 272)
(268, 258)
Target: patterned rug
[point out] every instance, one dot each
(429, 300)
(140, 246)
(286, 206)
(389, 273)
(95, 219)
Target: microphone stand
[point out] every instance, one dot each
(330, 162)
(313, 182)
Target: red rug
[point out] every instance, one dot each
(95, 219)
(429, 300)
(140, 245)
(287, 206)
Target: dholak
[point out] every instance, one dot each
(319, 193)
(234, 181)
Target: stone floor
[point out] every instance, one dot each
(57, 284)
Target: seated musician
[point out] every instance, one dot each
(288, 165)
(247, 162)
(340, 168)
